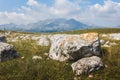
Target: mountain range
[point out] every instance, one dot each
(50, 25)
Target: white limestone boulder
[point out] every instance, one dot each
(73, 47)
(35, 38)
(104, 35)
(115, 36)
(7, 52)
(87, 65)
(44, 41)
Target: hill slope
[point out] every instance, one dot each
(51, 25)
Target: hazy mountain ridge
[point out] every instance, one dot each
(51, 25)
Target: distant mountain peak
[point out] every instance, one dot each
(49, 25)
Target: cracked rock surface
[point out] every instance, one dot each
(73, 47)
(86, 65)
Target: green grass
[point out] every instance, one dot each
(99, 30)
(28, 69)
(111, 58)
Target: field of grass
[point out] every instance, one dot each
(99, 30)
(45, 69)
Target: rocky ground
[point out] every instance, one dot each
(82, 52)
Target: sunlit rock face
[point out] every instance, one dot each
(73, 47)
(44, 41)
(7, 52)
(86, 65)
(2, 38)
(115, 36)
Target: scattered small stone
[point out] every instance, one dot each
(102, 41)
(107, 43)
(8, 33)
(104, 35)
(48, 58)
(75, 78)
(46, 54)
(90, 76)
(36, 57)
(22, 57)
(13, 40)
(106, 66)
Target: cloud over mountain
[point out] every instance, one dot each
(106, 14)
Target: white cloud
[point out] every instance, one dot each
(106, 14)
(12, 17)
(64, 8)
(27, 14)
(109, 8)
(32, 2)
(101, 14)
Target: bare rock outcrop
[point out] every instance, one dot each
(86, 65)
(7, 52)
(115, 36)
(73, 47)
(44, 41)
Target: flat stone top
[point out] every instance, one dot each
(1, 35)
(78, 38)
(5, 46)
(89, 36)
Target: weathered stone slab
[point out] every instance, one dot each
(87, 65)
(44, 41)
(7, 52)
(73, 47)
(115, 36)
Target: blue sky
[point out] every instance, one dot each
(98, 12)
(12, 5)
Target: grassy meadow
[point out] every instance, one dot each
(46, 69)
